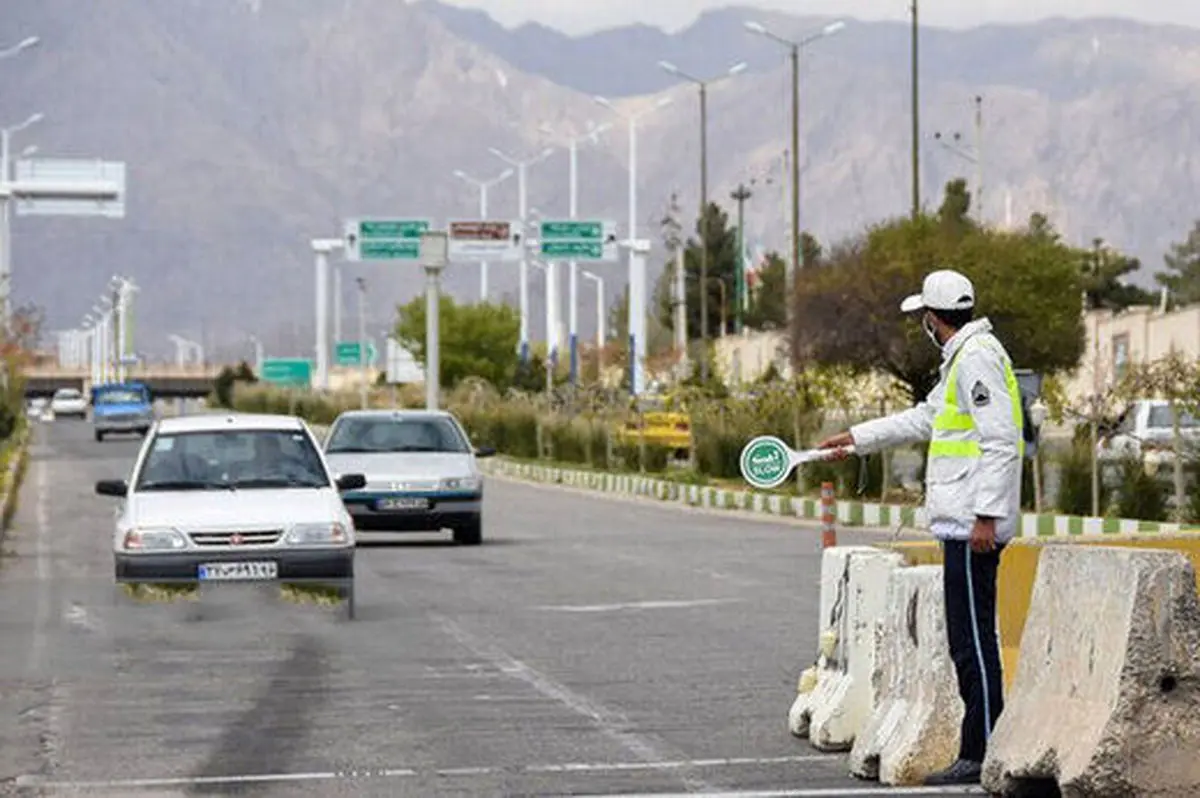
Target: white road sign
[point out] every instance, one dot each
(70, 187)
(484, 240)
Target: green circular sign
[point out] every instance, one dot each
(766, 462)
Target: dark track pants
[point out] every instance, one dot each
(969, 583)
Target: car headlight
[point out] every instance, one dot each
(461, 483)
(316, 534)
(153, 540)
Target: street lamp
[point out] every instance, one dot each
(794, 48)
(599, 323)
(435, 254)
(546, 268)
(322, 248)
(637, 272)
(593, 135)
(522, 167)
(703, 84)
(483, 186)
(20, 46)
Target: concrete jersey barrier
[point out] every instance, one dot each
(1106, 699)
(914, 728)
(838, 694)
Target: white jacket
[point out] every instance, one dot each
(959, 491)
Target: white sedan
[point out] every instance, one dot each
(233, 498)
(69, 402)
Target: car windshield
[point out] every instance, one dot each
(120, 396)
(68, 394)
(1160, 418)
(396, 434)
(232, 460)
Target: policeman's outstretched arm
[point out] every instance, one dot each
(899, 429)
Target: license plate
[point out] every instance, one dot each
(403, 504)
(238, 571)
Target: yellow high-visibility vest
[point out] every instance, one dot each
(954, 434)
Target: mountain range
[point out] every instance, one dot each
(251, 126)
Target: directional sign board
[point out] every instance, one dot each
(383, 239)
(289, 372)
(349, 353)
(71, 187)
(481, 240)
(584, 240)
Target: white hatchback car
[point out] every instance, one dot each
(233, 498)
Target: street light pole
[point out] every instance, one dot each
(6, 211)
(637, 266)
(703, 84)
(599, 324)
(916, 115)
(362, 341)
(739, 290)
(435, 253)
(484, 186)
(322, 247)
(794, 48)
(522, 168)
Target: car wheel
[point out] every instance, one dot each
(99, 436)
(347, 594)
(470, 533)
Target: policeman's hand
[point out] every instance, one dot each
(840, 442)
(983, 535)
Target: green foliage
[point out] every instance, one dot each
(1140, 495)
(1075, 482)
(1182, 274)
(721, 242)
(1027, 283)
(477, 340)
(768, 299)
(1103, 270)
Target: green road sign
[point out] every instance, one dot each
(295, 372)
(349, 353)
(389, 250)
(383, 239)
(583, 250)
(405, 228)
(766, 462)
(572, 230)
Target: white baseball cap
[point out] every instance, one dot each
(943, 290)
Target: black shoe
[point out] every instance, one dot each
(964, 771)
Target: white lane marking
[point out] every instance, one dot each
(612, 724)
(37, 647)
(639, 605)
(77, 615)
(405, 772)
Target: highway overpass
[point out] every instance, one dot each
(165, 381)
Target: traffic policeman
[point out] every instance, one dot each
(974, 424)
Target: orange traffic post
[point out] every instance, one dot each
(828, 516)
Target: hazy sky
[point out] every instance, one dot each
(577, 16)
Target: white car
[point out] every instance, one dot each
(233, 498)
(69, 402)
(1146, 433)
(420, 469)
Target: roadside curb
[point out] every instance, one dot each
(14, 473)
(850, 514)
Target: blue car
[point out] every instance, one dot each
(121, 408)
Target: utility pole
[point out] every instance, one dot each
(739, 290)
(916, 116)
(704, 233)
(979, 157)
(362, 341)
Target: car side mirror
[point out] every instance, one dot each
(351, 482)
(485, 451)
(112, 487)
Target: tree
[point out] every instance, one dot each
(477, 340)
(1103, 268)
(810, 251)
(768, 297)
(954, 212)
(722, 245)
(848, 310)
(1182, 276)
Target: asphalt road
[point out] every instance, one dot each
(589, 647)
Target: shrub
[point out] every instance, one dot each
(1140, 495)
(1075, 482)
